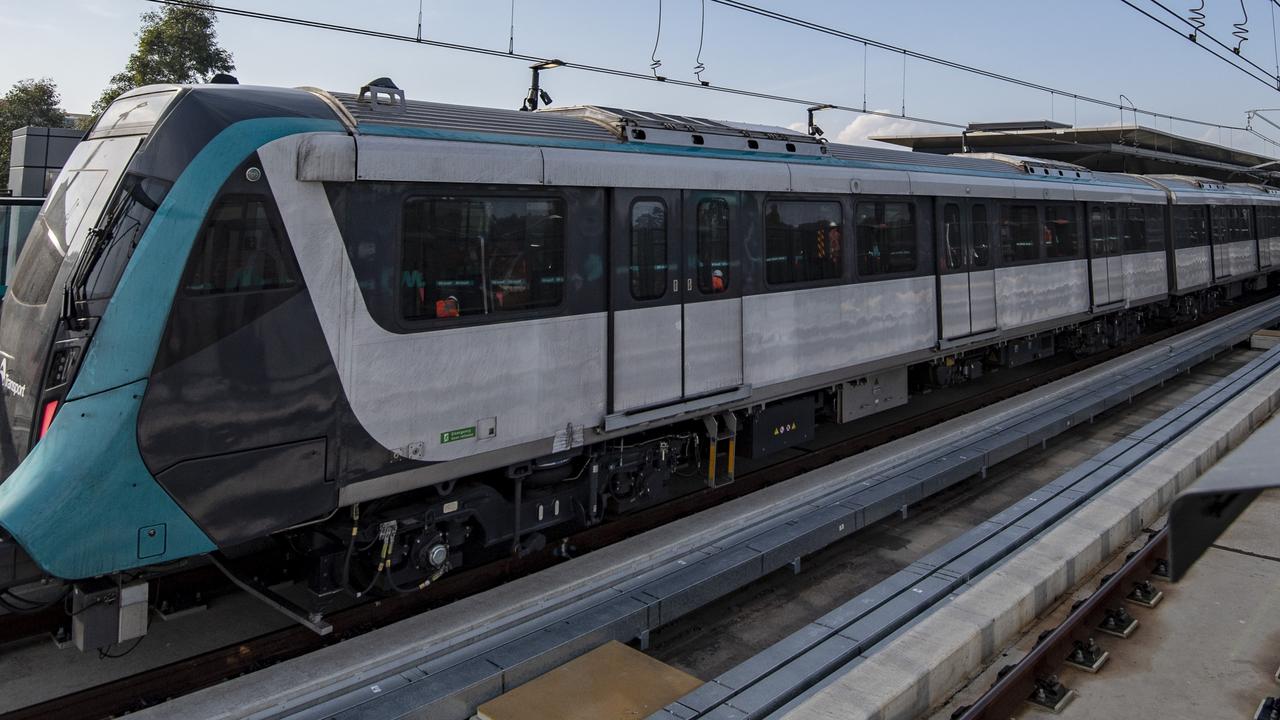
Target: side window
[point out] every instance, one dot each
(1155, 228)
(886, 238)
(468, 256)
(1018, 233)
(981, 237)
(802, 241)
(239, 250)
(1061, 232)
(713, 246)
(1190, 228)
(648, 249)
(1135, 229)
(952, 240)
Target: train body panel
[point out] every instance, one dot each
(1236, 260)
(792, 335)
(1146, 277)
(1193, 269)
(335, 304)
(1032, 294)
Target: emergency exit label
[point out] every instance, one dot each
(465, 433)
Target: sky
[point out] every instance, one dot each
(1099, 48)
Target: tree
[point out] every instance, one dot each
(176, 44)
(28, 102)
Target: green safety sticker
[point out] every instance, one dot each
(465, 433)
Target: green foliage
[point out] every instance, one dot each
(176, 44)
(28, 102)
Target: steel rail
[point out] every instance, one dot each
(1010, 692)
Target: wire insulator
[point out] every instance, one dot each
(700, 66)
(1241, 30)
(1197, 21)
(656, 63)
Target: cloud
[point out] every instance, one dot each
(864, 127)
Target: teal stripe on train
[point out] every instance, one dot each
(83, 503)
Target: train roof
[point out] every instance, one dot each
(379, 110)
(1193, 189)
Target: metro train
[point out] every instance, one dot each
(402, 337)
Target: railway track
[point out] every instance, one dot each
(157, 685)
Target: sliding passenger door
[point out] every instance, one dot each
(953, 271)
(1106, 264)
(967, 287)
(646, 335)
(712, 292)
(982, 276)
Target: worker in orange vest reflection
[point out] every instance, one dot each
(717, 282)
(447, 308)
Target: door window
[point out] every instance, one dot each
(713, 246)
(981, 236)
(952, 242)
(648, 249)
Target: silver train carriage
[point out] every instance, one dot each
(401, 337)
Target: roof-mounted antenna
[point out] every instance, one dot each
(814, 130)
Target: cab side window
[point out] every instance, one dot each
(239, 250)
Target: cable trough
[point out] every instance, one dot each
(475, 652)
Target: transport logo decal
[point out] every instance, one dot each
(10, 386)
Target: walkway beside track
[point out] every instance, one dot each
(834, 645)
(444, 663)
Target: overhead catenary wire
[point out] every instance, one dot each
(1267, 78)
(604, 70)
(971, 69)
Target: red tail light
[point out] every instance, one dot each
(46, 417)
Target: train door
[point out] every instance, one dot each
(982, 276)
(967, 287)
(675, 297)
(953, 272)
(646, 336)
(1106, 262)
(712, 293)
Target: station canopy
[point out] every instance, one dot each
(1128, 149)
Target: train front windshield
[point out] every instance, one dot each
(76, 209)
